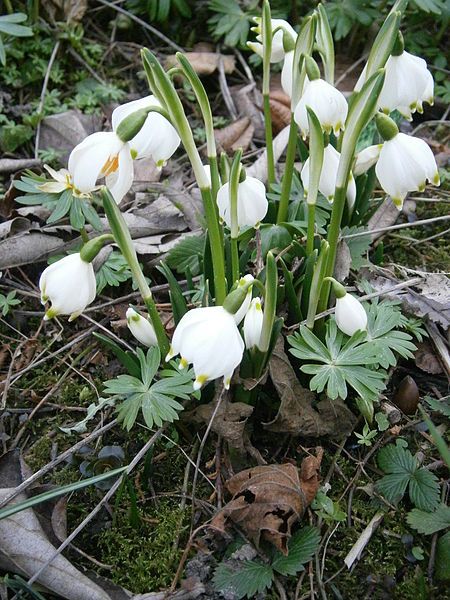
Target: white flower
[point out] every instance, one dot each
(366, 159)
(210, 340)
(286, 74)
(407, 84)
(329, 105)
(405, 164)
(278, 51)
(252, 202)
(242, 311)
(157, 138)
(350, 315)
(327, 182)
(69, 285)
(141, 328)
(253, 323)
(102, 154)
(62, 180)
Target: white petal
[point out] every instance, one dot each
(350, 315)
(366, 159)
(253, 324)
(286, 73)
(87, 160)
(120, 182)
(141, 328)
(328, 104)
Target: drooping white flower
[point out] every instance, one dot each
(329, 105)
(141, 328)
(62, 180)
(327, 182)
(157, 138)
(210, 340)
(278, 50)
(253, 323)
(407, 85)
(102, 154)
(286, 74)
(242, 311)
(350, 315)
(69, 284)
(252, 202)
(404, 165)
(366, 159)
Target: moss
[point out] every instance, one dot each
(143, 559)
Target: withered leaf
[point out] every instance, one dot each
(204, 63)
(268, 500)
(385, 216)
(426, 359)
(237, 135)
(296, 414)
(280, 108)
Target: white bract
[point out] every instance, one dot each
(366, 159)
(210, 340)
(69, 284)
(157, 138)
(278, 51)
(407, 84)
(405, 164)
(328, 104)
(253, 323)
(102, 154)
(327, 182)
(252, 203)
(62, 180)
(350, 315)
(141, 328)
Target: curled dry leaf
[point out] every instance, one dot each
(204, 63)
(237, 135)
(280, 108)
(248, 102)
(385, 216)
(426, 359)
(296, 414)
(268, 500)
(229, 422)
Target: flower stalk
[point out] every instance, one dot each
(233, 190)
(316, 148)
(266, 31)
(122, 236)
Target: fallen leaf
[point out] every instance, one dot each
(343, 262)
(385, 216)
(237, 135)
(229, 422)
(268, 500)
(66, 10)
(426, 359)
(204, 63)
(13, 226)
(296, 414)
(145, 172)
(65, 130)
(248, 101)
(27, 248)
(280, 109)
(11, 165)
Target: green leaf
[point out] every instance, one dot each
(393, 486)
(429, 522)
(178, 301)
(128, 360)
(113, 272)
(442, 405)
(443, 557)
(244, 581)
(424, 490)
(395, 459)
(8, 25)
(76, 215)
(187, 253)
(91, 215)
(62, 206)
(66, 489)
(301, 548)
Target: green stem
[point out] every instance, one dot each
(215, 239)
(269, 141)
(215, 178)
(8, 6)
(123, 238)
(84, 235)
(234, 260)
(311, 228)
(288, 172)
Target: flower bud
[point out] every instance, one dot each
(252, 202)
(329, 105)
(350, 315)
(238, 300)
(69, 284)
(141, 328)
(253, 324)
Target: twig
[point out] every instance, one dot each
(11, 165)
(142, 452)
(43, 93)
(142, 24)
(393, 227)
(363, 539)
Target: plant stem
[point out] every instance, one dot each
(269, 141)
(311, 228)
(8, 6)
(215, 179)
(234, 260)
(215, 239)
(123, 238)
(288, 172)
(84, 235)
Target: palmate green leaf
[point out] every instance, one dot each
(429, 522)
(343, 363)
(403, 472)
(442, 405)
(244, 581)
(187, 253)
(113, 272)
(9, 25)
(62, 206)
(302, 546)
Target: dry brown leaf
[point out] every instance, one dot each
(66, 10)
(426, 359)
(237, 135)
(268, 500)
(204, 63)
(248, 102)
(296, 414)
(280, 108)
(229, 422)
(343, 262)
(385, 216)
(65, 130)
